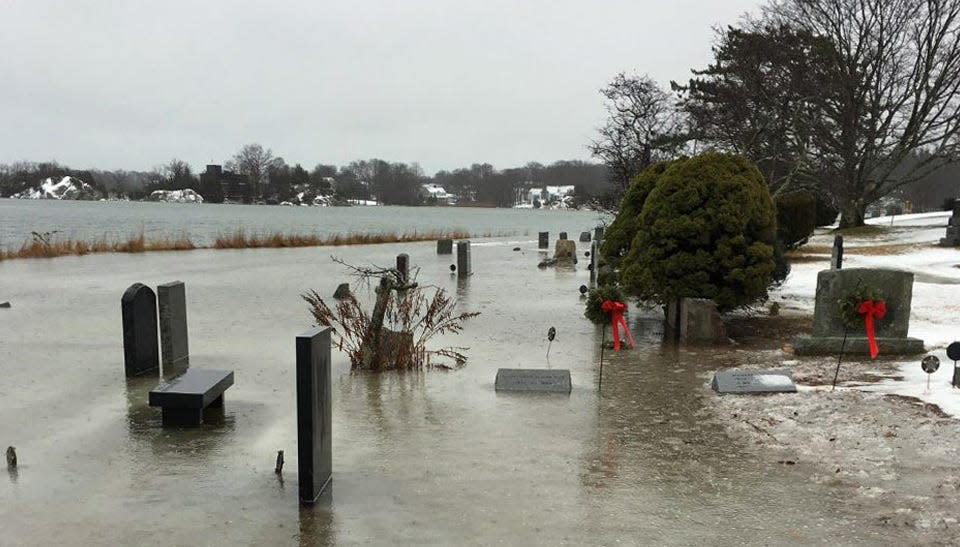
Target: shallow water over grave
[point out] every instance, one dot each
(431, 458)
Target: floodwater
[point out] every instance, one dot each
(117, 220)
(435, 458)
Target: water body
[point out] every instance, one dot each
(437, 458)
(119, 219)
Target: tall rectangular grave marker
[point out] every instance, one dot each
(172, 300)
(444, 246)
(403, 266)
(314, 413)
(836, 256)
(138, 308)
(463, 259)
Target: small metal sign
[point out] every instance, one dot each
(929, 364)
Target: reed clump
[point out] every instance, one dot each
(51, 245)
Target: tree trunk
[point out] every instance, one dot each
(852, 213)
(370, 356)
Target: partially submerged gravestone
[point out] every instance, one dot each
(695, 321)
(172, 301)
(593, 262)
(464, 265)
(833, 287)
(138, 307)
(598, 233)
(343, 291)
(953, 228)
(314, 413)
(533, 380)
(403, 266)
(585, 237)
(565, 250)
(444, 246)
(563, 235)
(753, 381)
(543, 240)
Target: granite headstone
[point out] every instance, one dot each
(138, 309)
(543, 240)
(314, 413)
(753, 381)
(403, 266)
(585, 237)
(533, 380)
(464, 267)
(172, 301)
(444, 246)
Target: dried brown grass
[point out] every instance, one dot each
(50, 246)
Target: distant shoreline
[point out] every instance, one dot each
(50, 246)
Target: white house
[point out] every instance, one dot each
(436, 193)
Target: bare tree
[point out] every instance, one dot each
(895, 90)
(642, 127)
(255, 162)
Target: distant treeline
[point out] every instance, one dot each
(272, 180)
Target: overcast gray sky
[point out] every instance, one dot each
(130, 85)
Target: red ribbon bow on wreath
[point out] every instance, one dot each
(616, 309)
(871, 309)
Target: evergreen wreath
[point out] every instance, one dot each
(850, 305)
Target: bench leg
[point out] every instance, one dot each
(182, 416)
(217, 403)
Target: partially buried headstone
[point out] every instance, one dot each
(403, 266)
(753, 381)
(563, 235)
(138, 308)
(444, 246)
(4, 304)
(533, 380)
(314, 413)
(953, 228)
(585, 237)
(172, 301)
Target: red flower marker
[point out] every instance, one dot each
(616, 309)
(871, 309)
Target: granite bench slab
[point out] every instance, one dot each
(184, 398)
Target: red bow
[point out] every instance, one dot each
(870, 309)
(616, 309)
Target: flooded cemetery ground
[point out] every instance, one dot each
(420, 458)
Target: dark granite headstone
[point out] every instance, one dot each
(563, 235)
(444, 246)
(533, 380)
(403, 266)
(598, 233)
(953, 228)
(464, 267)
(343, 291)
(584, 237)
(753, 381)
(836, 255)
(172, 301)
(543, 240)
(141, 353)
(314, 413)
(4, 304)
(593, 263)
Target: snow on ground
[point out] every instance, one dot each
(935, 310)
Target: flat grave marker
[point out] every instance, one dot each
(753, 381)
(533, 380)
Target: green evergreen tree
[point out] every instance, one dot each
(707, 229)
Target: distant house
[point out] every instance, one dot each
(218, 185)
(435, 194)
(547, 194)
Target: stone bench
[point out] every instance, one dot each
(184, 398)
